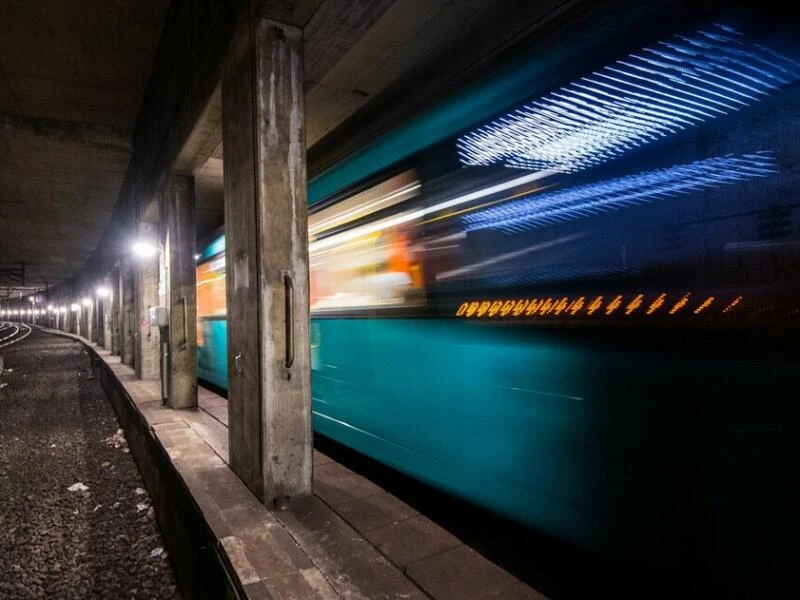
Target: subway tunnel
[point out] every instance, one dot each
(399, 299)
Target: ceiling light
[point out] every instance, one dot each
(144, 249)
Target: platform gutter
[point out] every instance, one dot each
(350, 539)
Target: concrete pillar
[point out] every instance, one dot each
(269, 399)
(107, 319)
(72, 316)
(147, 338)
(179, 249)
(127, 321)
(116, 302)
(87, 316)
(97, 323)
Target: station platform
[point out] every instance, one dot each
(350, 539)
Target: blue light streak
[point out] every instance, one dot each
(651, 94)
(540, 210)
(540, 275)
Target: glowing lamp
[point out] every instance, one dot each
(144, 249)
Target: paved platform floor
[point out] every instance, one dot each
(350, 539)
(75, 519)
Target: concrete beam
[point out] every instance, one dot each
(269, 390)
(204, 139)
(290, 12)
(100, 136)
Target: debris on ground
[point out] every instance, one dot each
(117, 440)
(54, 542)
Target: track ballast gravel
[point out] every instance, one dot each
(58, 430)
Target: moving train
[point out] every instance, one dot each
(579, 309)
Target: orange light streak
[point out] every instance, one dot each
(614, 305)
(656, 304)
(706, 303)
(680, 303)
(635, 303)
(594, 305)
(732, 305)
(576, 305)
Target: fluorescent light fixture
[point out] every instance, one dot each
(103, 291)
(63, 310)
(540, 210)
(75, 307)
(651, 94)
(86, 302)
(144, 249)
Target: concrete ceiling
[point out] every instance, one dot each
(72, 75)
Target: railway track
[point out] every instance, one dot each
(11, 333)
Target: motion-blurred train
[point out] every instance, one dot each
(577, 306)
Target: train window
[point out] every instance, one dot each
(363, 250)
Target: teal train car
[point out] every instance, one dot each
(578, 311)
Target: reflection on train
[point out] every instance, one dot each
(576, 313)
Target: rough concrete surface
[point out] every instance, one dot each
(75, 520)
